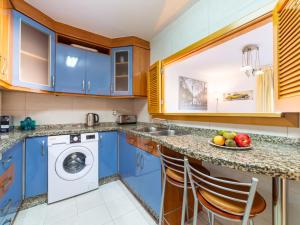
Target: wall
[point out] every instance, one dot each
(51, 109)
(202, 19)
(205, 17)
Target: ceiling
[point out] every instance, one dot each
(115, 18)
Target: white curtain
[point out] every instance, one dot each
(265, 90)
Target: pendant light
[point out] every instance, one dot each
(250, 61)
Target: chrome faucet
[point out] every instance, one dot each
(163, 122)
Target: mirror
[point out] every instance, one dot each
(235, 76)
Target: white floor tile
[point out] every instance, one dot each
(60, 210)
(111, 204)
(112, 191)
(95, 216)
(132, 218)
(88, 201)
(120, 206)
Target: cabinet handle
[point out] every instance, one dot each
(43, 148)
(6, 208)
(142, 162)
(83, 85)
(89, 85)
(53, 81)
(6, 160)
(137, 162)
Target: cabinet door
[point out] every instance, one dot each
(127, 162)
(11, 200)
(287, 56)
(34, 54)
(70, 69)
(5, 40)
(150, 180)
(108, 154)
(98, 75)
(122, 71)
(36, 173)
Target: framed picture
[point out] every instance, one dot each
(192, 94)
(238, 95)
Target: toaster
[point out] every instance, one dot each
(126, 119)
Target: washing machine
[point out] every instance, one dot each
(72, 165)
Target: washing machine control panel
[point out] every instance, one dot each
(75, 138)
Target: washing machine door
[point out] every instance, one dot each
(74, 163)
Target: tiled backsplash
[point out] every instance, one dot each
(51, 109)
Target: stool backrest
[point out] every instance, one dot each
(173, 164)
(232, 190)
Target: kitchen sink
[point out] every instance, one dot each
(169, 133)
(148, 129)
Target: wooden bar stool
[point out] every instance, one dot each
(174, 173)
(225, 198)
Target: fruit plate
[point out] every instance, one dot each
(230, 148)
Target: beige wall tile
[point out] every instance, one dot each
(13, 100)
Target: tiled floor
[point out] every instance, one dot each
(111, 204)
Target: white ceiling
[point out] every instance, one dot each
(115, 18)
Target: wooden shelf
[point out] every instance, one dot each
(34, 56)
(266, 119)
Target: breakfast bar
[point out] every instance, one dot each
(277, 157)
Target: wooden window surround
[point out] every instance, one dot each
(229, 32)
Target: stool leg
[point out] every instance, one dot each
(251, 222)
(184, 198)
(195, 212)
(208, 217)
(161, 214)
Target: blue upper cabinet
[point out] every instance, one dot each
(33, 54)
(98, 74)
(122, 71)
(108, 154)
(81, 71)
(36, 172)
(70, 69)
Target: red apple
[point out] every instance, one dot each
(242, 140)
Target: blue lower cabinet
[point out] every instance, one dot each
(108, 154)
(142, 173)
(127, 162)
(150, 186)
(11, 172)
(36, 172)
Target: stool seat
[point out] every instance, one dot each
(229, 207)
(179, 177)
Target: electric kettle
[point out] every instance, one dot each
(92, 119)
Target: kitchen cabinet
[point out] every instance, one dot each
(11, 185)
(130, 67)
(33, 54)
(5, 40)
(98, 73)
(81, 71)
(36, 172)
(141, 170)
(127, 162)
(70, 69)
(108, 154)
(122, 71)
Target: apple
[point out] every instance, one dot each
(243, 140)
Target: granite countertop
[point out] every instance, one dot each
(272, 156)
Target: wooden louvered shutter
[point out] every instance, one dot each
(287, 55)
(154, 88)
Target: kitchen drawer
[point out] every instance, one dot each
(148, 145)
(131, 139)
